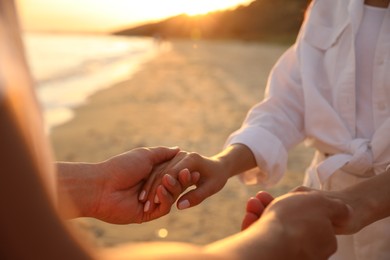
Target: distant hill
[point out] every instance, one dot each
(262, 20)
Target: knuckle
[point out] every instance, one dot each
(301, 189)
(145, 149)
(193, 157)
(182, 153)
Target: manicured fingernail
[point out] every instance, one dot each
(171, 180)
(156, 199)
(164, 191)
(196, 175)
(187, 174)
(142, 195)
(183, 204)
(147, 206)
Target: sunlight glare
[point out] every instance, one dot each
(173, 7)
(103, 15)
(205, 6)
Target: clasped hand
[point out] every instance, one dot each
(109, 190)
(209, 177)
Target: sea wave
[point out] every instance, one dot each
(68, 68)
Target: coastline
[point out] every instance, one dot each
(192, 96)
(68, 67)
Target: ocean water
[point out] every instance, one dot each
(68, 68)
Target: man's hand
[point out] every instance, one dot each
(310, 222)
(294, 226)
(109, 190)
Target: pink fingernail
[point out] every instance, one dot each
(196, 175)
(164, 191)
(171, 180)
(186, 174)
(156, 199)
(147, 206)
(183, 204)
(142, 195)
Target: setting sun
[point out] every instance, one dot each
(205, 6)
(104, 15)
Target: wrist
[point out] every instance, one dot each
(362, 208)
(267, 236)
(225, 165)
(236, 159)
(368, 210)
(369, 200)
(78, 189)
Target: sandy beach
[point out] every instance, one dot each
(192, 96)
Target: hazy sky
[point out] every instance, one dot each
(105, 15)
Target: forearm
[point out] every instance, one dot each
(266, 243)
(370, 199)
(236, 159)
(77, 188)
(157, 250)
(267, 240)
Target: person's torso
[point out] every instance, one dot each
(337, 119)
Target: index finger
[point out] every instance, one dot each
(162, 154)
(190, 161)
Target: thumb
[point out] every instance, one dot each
(195, 196)
(162, 154)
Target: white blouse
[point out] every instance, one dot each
(366, 41)
(311, 95)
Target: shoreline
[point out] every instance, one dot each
(192, 96)
(89, 63)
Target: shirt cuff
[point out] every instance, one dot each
(270, 154)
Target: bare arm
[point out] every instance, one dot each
(29, 224)
(236, 159)
(370, 200)
(78, 188)
(379, 199)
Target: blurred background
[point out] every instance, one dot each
(114, 75)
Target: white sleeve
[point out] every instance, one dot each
(276, 124)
